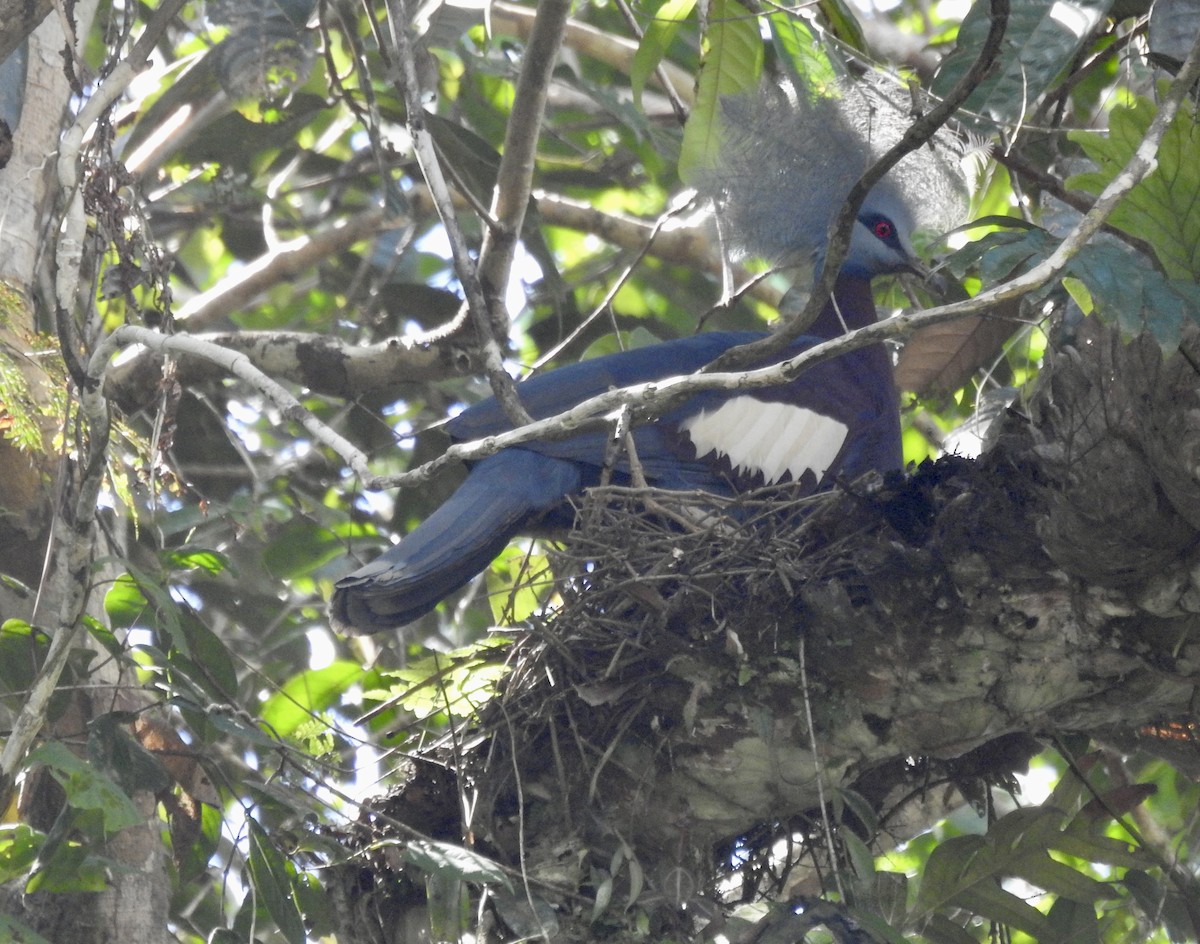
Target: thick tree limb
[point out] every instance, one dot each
(19, 18)
(315, 362)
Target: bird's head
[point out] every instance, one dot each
(881, 241)
(789, 159)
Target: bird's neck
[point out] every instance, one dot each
(852, 305)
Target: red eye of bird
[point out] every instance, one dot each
(883, 229)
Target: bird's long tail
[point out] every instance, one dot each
(502, 494)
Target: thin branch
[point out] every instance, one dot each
(476, 309)
(288, 260)
(239, 365)
(514, 178)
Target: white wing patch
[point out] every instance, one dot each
(773, 439)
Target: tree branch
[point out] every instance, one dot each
(320, 363)
(514, 179)
(238, 365)
(291, 258)
(477, 303)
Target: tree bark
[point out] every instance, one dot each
(133, 907)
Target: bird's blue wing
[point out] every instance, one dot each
(562, 388)
(837, 418)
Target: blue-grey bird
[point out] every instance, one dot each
(775, 196)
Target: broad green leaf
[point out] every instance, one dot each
(299, 546)
(1063, 880)
(112, 748)
(17, 933)
(69, 867)
(880, 928)
(209, 663)
(1078, 843)
(733, 61)
(801, 50)
(943, 874)
(22, 649)
(1040, 41)
(965, 872)
(1074, 921)
(941, 930)
(475, 160)
(198, 558)
(273, 885)
(664, 25)
(990, 901)
(1023, 829)
(458, 682)
(1162, 210)
(841, 22)
(444, 858)
(86, 787)
(19, 846)
(124, 603)
(1161, 902)
(307, 694)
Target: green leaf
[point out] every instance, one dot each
(112, 748)
(474, 159)
(1134, 296)
(664, 25)
(862, 861)
(801, 51)
(86, 787)
(733, 61)
(1076, 842)
(517, 582)
(880, 928)
(1040, 41)
(308, 694)
(208, 663)
(273, 885)
(19, 847)
(941, 930)
(1063, 880)
(965, 871)
(1162, 210)
(841, 22)
(456, 862)
(124, 603)
(188, 557)
(22, 649)
(1073, 921)
(15, 932)
(457, 682)
(1161, 903)
(991, 901)
(944, 871)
